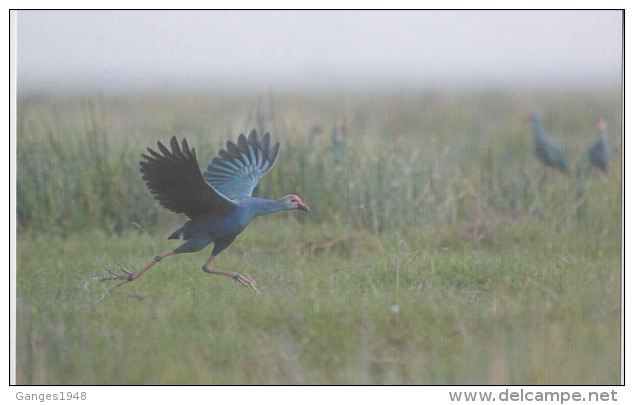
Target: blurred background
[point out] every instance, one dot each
(316, 50)
(438, 90)
(406, 134)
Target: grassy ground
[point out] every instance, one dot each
(437, 251)
(337, 307)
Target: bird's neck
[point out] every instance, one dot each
(538, 129)
(260, 206)
(603, 135)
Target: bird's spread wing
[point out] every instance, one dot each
(176, 182)
(237, 170)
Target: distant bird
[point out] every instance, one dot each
(218, 202)
(338, 142)
(600, 152)
(547, 148)
(314, 132)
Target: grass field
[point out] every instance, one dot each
(437, 249)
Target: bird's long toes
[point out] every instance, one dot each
(245, 282)
(116, 276)
(109, 271)
(253, 288)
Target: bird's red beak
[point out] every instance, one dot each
(303, 206)
(300, 204)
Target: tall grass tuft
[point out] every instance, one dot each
(74, 175)
(453, 163)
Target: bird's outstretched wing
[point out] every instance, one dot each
(177, 183)
(237, 170)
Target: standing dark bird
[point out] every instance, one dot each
(546, 148)
(600, 152)
(218, 203)
(314, 132)
(338, 142)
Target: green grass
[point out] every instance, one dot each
(514, 312)
(437, 250)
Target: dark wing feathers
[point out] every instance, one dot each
(273, 155)
(239, 167)
(176, 182)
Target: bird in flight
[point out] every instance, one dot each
(218, 201)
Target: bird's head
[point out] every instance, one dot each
(602, 125)
(293, 202)
(317, 129)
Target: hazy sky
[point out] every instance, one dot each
(104, 48)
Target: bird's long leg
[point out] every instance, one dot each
(129, 276)
(237, 277)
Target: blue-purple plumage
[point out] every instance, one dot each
(600, 152)
(239, 168)
(218, 203)
(546, 148)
